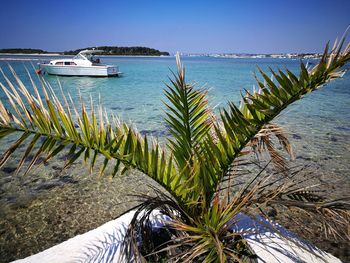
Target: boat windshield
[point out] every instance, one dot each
(79, 56)
(88, 56)
(93, 58)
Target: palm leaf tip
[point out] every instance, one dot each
(52, 127)
(188, 116)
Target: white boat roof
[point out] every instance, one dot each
(90, 51)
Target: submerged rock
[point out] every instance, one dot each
(342, 128)
(300, 157)
(8, 170)
(48, 185)
(22, 201)
(116, 108)
(333, 139)
(68, 179)
(296, 136)
(129, 108)
(155, 133)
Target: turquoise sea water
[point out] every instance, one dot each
(318, 126)
(137, 96)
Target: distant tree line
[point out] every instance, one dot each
(23, 51)
(123, 51)
(108, 50)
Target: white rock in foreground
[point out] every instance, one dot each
(103, 244)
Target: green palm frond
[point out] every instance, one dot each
(190, 121)
(241, 124)
(207, 158)
(188, 117)
(49, 127)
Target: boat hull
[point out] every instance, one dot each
(93, 71)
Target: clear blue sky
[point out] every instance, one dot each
(252, 26)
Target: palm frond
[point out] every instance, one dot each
(188, 117)
(49, 127)
(241, 124)
(275, 189)
(263, 143)
(189, 121)
(332, 217)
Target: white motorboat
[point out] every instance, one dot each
(86, 63)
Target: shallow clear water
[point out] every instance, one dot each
(318, 126)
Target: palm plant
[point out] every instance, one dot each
(197, 163)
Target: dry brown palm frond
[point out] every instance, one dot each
(262, 146)
(298, 193)
(331, 216)
(263, 143)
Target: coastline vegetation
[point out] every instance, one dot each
(108, 50)
(200, 165)
(122, 51)
(23, 51)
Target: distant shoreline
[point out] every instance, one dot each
(60, 55)
(224, 56)
(33, 54)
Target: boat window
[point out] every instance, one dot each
(65, 63)
(94, 59)
(90, 57)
